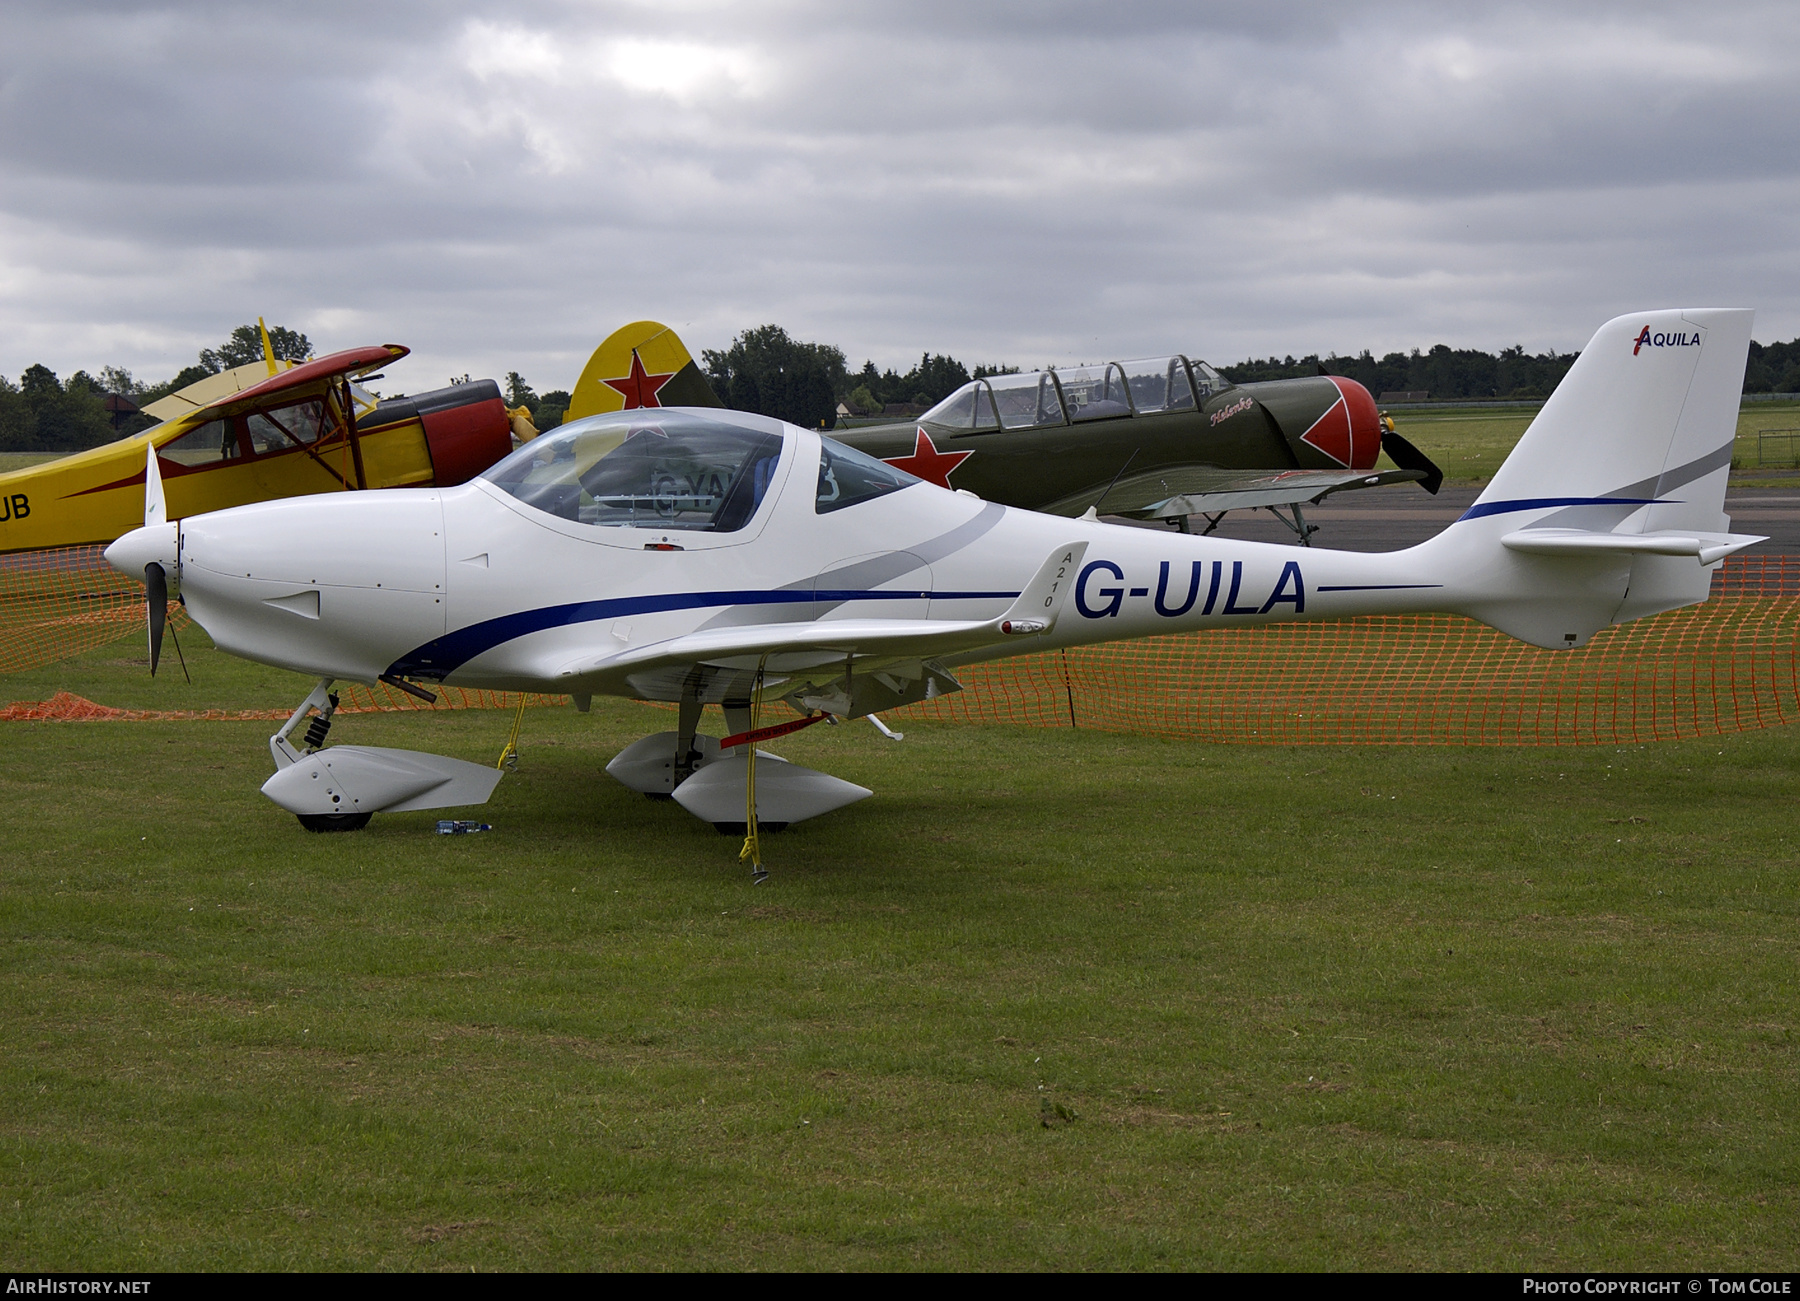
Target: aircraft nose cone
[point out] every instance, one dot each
(154, 543)
(1365, 423)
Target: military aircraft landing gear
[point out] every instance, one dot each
(1298, 524)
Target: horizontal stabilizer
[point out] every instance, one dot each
(1708, 548)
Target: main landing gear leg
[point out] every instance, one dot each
(686, 756)
(1179, 523)
(737, 718)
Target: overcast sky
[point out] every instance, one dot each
(499, 186)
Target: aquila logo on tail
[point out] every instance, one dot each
(1680, 340)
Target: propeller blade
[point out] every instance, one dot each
(156, 589)
(1408, 457)
(156, 507)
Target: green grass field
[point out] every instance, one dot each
(23, 460)
(1048, 999)
(1471, 443)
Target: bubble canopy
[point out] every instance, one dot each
(1056, 397)
(655, 469)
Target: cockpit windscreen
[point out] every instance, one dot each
(645, 469)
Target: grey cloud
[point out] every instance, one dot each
(1025, 182)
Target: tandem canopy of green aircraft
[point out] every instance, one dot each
(1162, 438)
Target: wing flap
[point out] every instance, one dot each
(797, 646)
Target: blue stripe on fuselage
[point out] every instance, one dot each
(446, 654)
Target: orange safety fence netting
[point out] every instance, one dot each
(63, 602)
(1729, 665)
(353, 698)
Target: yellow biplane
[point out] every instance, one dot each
(234, 438)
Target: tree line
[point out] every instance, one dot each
(766, 370)
(42, 413)
(1447, 374)
(1455, 374)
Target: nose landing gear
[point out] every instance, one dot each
(339, 788)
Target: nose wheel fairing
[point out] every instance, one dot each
(348, 779)
(338, 788)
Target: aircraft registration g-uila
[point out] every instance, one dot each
(703, 556)
(1163, 438)
(269, 429)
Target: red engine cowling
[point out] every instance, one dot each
(1328, 422)
(466, 427)
(1349, 431)
(466, 430)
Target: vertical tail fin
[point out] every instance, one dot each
(1638, 435)
(644, 364)
(1612, 506)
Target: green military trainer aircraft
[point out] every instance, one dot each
(1167, 438)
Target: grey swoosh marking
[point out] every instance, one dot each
(870, 574)
(1606, 518)
(1698, 468)
(947, 544)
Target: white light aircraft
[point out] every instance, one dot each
(704, 556)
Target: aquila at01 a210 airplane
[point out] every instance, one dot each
(686, 555)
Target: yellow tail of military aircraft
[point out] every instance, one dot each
(644, 364)
(243, 436)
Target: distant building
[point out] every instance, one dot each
(1406, 395)
(119, 408)
(903, 409)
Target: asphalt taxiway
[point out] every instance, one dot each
(1391, 518)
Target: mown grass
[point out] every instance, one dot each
(24, 460)
(1470, 444)
(1307, 1008)
(1466, 444)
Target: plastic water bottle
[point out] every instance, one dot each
(451, 827)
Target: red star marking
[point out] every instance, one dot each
(927, 463)
(639, 387)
